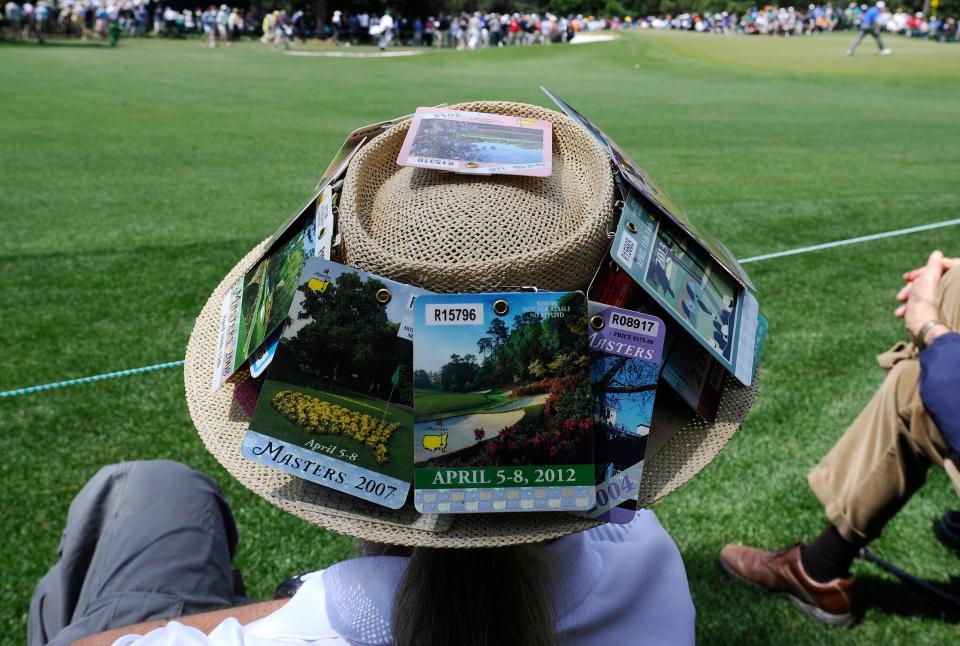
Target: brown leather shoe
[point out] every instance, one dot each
(781, 572)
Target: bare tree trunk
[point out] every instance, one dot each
(321, 16)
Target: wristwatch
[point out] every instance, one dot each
(921, 339)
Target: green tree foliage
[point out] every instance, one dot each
(460, 373)
(485, 345)
(574, 403)
(421, 379)
(533, 347)
(349, 339)
(537, 369)
(283, 272)
(498, 331)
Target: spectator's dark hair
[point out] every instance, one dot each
(501, 596)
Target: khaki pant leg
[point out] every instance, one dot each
(882, 458)
(949, 297)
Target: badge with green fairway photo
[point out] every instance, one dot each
(336, 404)
(258, 302)
(502, 403)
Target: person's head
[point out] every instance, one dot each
(881, 4)
(473, 597)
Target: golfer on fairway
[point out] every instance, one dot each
(871, 25)
(912, 422)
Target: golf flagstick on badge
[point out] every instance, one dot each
(502, 403)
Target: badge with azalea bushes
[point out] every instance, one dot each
(502, 403)
(336, 406)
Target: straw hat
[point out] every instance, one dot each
(449, 233)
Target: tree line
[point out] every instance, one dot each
(532, 348)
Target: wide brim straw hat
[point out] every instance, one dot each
(459, 233)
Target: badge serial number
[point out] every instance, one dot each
(464, 314)
(642, 325)
(429, 161)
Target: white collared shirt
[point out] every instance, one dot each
(615, 583)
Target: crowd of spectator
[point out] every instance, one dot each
(463, 31)
(772, 20)
(93, 19)
(85, 19)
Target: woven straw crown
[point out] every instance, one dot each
(450, 233)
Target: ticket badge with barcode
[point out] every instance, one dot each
(502, 403)
(626, 351)
(336, 404)
(709, 304)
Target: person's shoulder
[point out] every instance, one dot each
(303, 619)
(644, 526)
(625, 580)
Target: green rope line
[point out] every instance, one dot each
(174, 364)
(89, 380)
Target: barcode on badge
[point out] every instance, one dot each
(627, 250)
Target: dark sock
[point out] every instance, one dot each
(829, 556)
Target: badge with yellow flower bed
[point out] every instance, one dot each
(502, 403)
(336, 405)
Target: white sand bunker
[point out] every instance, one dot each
(402, 52)
(586, 39)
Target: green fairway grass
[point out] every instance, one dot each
(912, 57)
(448, 404)
(134, 178)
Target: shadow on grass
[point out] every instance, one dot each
(876, 593)
(6, 42)
(902, 599)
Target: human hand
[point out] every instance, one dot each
(913, 274)
(919, 295)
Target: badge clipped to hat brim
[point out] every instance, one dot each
(453, 233)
